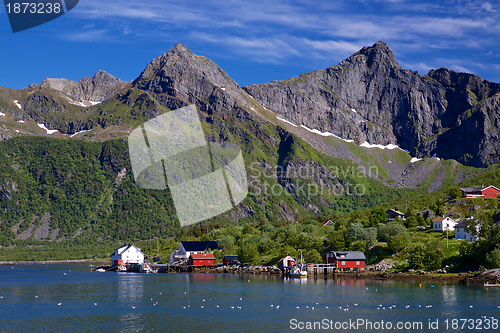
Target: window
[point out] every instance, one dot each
(343, 262)
(357, 263)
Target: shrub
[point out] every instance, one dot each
(493, 258)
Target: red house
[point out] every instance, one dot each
(203, 259)
(345, 259)
(230, 260)
(286, 262)
(478, 192)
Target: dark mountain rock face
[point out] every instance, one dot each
(369, 97)
(182, 75)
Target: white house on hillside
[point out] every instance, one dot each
(462, 231)
(127, 254)
(443, 223)
(186, 248)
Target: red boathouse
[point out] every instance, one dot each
(345, 259)
(202, 259)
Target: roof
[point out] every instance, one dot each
(231, 258)
(462, 224)
(477, 189)
(395, 211)
(442, 218)
(198, 246)
(126, 247)
(350, 255)
(287, 258)
(207, 256)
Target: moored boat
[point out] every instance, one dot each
(299, 271)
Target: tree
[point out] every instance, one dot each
(248, 253)
(312, 256)
(378, 216)
(336, 240)
(411, 222)
(369, 235)
(454, 192)
(358, 246)
(493, 258)
(389, 230)
(354, 231)
(434, 254)
(398, 242)
(415, 254)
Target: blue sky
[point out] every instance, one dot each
(254, 41)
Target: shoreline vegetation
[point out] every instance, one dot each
(491, 276)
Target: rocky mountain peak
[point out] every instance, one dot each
(375, 56)
(179, 70)
(88, 90)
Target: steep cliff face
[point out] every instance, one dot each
(369, 97)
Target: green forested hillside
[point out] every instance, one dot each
(54, 190)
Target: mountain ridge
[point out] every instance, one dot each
(369, 97)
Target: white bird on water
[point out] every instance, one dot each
(277, 306)
(95, 303)
(133, 307)
(59, 303)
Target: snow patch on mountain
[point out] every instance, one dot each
(42, 126)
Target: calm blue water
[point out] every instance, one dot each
(129, 302)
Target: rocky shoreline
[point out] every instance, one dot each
(491, 276)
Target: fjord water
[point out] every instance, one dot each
(69, 298)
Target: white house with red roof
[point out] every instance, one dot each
(443, 223)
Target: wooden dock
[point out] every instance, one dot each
(328, 269)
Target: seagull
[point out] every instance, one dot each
(239, 307)
(277, 306)
(203, 300)
(217, 306)
(312, 308)
(355, 304)
(64, 273)
(326, 307)
(36, 296)
(297, 307)
(59, 303)
(271, 305)
(183, 307)
(471, 306)
(133, 307)
(232, 307)
(202, 306)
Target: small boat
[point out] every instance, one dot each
(492, 284)
(101, 270)
(122, 268)
(146, 268)
(299, 271)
